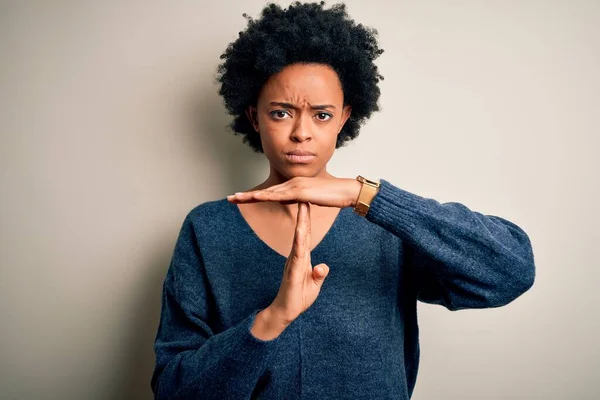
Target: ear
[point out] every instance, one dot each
(346, 111)
(252, 116)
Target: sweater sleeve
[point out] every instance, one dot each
(460, 258)
(192, 360)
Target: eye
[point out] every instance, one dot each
(278, 114)
(323, 116)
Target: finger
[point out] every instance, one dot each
(248, 196)
(288, 196)
(277, 187)
(320, 272)
(282, 187)
(308, 230)
(300, 233)
(306, 223)
(308, 234)
(255, 196)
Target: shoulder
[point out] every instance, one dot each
(208, 208)
(210, 216)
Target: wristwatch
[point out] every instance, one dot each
(367, 192)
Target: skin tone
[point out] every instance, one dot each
(300, 108)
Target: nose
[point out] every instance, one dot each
(301, 131)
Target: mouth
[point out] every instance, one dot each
(300, 157)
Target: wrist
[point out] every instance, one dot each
(354, 187)
(268, 325)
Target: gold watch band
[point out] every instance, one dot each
(367, 193)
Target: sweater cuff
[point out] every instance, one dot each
(397, 210)
(251, 350)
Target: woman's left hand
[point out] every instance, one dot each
(326, 192)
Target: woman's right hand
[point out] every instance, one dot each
(301, 283)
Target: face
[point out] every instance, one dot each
(300, 109)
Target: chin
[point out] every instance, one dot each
(296, 170)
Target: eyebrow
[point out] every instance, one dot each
(289, 105)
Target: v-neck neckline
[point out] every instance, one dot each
(271, 250)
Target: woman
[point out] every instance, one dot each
(282, 291)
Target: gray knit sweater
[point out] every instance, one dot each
(360, 339)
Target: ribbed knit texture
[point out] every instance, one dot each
(360, 339)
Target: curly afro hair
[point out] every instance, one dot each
(302, 33)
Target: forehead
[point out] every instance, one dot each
(304, 82)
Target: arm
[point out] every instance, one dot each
(191, 360)
(460, 258)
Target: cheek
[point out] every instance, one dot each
(275, 135)
(272, 143)
(271, 136)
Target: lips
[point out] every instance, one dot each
(300, 156)
(301, 153)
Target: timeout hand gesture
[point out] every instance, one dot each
(327, 192)
(301, 283)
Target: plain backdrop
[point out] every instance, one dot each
(112, 130)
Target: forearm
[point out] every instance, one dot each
(464, 258)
